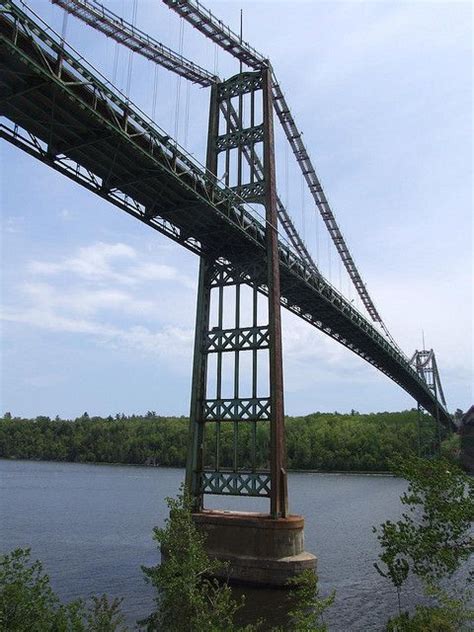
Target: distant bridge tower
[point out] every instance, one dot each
(236, 423)
(424, 362)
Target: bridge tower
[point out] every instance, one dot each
(429, 442)
(237, 442)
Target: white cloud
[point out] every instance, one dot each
(85, 301)
(160, 272)
(174, 343)
(97, 292)
(311, 357)
(94, 262)
(105, 263)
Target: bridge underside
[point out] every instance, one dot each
(58, 111)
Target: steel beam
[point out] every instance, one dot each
(279, 500)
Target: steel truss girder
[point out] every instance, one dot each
(97, 16)
(28, 50)
(247, 273)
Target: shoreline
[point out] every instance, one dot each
(182, 467)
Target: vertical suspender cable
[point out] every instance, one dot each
(303, 210)
(329, 257)
(340, 273)
(115, 64)
(64, 27)
(155, 93)
(216, 60)
(318, 249)
(186, 114)
(130, 56)
(178, 82)
(60, 61)
(241, 33)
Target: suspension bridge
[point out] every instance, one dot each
(56, 107)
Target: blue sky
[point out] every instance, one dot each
(98, 310)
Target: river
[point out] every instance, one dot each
(91, 525)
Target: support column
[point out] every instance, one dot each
(194, 462)
(279, 501)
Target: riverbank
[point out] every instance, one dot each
(320, 442)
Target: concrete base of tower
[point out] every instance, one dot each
(258, 549)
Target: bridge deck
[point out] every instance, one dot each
(60, 111)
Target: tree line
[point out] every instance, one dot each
(319, 441)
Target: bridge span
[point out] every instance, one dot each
(61, 111)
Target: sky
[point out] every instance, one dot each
(98, 309)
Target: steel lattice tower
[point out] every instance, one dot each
(231, 140)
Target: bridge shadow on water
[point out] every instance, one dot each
(271, 605)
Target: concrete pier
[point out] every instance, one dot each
(259, 549)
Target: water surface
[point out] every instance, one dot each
(91, 525)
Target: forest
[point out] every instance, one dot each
(319, 441)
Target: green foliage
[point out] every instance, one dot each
(104, 615)
(320, 441)
(188, 600)
(431, 540)
(134, 440)
(450, 615)
(28, 603)
(307, 613)
(451, 448)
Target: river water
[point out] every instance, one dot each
(91, 525)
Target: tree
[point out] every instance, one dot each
(432, 539)
(189, 599)
(307, 613)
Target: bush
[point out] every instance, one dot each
(28, 603)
